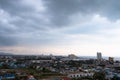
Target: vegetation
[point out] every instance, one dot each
(99, 76)
(115, 78)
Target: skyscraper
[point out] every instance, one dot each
(99, 56)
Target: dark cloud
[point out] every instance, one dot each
(61, 10)
(58, 11)
(23, 18)
(7, 41)
(15, 7)
(18, 18)
(110, 9)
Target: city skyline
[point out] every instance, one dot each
(62, 27)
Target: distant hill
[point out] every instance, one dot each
(4, 53)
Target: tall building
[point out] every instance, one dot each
(99, 56)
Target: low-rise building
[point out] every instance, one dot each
(80, 74)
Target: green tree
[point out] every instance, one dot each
(99, 76)
(115, 78)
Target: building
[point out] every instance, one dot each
(31, 77)
(99, 56)
(72, 56)
(80, 74)
(40, 61)
(111, 59)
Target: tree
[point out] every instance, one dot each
(115, 78)
(99, 76)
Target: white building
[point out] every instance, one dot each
(40, 61)
(80, 74)
(116, 65)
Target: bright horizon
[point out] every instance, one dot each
(60, 27)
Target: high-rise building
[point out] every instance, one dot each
(99, 56)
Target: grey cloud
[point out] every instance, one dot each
(6, 35)
(27, 16)
(21, 19)
(61, 10)
(6, 29)
(25, 19)
(7, 41)
(14, 7)
(110, 9)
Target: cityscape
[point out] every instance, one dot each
(50, 67)
(59, 39)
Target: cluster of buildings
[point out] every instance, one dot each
(57, 67)
(109, 67)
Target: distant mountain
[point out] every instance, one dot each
(4, 53)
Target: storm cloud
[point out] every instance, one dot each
(56, 22)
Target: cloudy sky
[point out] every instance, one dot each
(60, 27)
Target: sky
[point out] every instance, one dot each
(60, 27)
